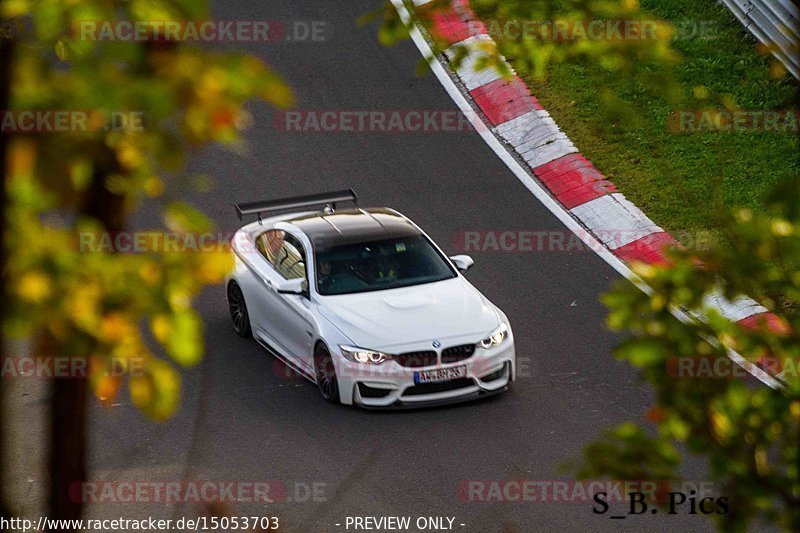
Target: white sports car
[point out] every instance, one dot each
(362, 303)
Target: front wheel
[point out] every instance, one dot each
(326, 374)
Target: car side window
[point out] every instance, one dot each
(284, 252)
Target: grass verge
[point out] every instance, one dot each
(680, 179)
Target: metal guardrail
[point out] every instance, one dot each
(776, 23)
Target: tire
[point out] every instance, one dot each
(238, 310)
(327, 383)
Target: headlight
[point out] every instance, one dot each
(364, 357)
(495, 338)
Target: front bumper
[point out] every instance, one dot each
(391, 386)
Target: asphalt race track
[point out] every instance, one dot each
(242, 418)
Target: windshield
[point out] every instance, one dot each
(379, 265)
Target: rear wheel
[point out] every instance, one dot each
(326, 374)
(238, 310)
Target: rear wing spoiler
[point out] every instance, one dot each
(295, 202)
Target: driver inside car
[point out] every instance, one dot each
(324, 276)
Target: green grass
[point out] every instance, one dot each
(679, 178)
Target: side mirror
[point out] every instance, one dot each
(462, 262)
(291, 286)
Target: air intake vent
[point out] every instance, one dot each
(417, 359)
(457, 353)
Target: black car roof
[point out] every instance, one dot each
(350, 226)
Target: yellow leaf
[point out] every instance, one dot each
(630, 5)
(22, 158)
(150, 273)
(760, 457)
(115, 327)
(157, 392)
(141, 388)
(721, 425)
(153, 187)
(700, 92)
(781, 228)
(106, 389)
(278, 94)
(161, 325)
(186, 343)
(34, 287)
(215, 266)
(83, 308)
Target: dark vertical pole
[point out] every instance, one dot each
(6, 53)
(69, 423)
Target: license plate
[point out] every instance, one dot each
(440, 374)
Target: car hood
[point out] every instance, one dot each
(434, 311)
